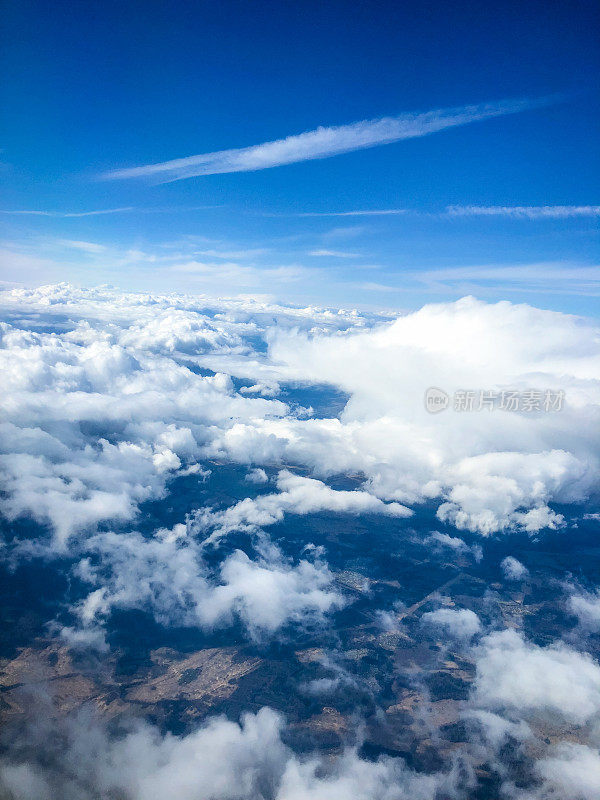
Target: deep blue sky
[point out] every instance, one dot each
(93, 87)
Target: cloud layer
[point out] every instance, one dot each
(119, 402)
(101, 416)
(221, 759)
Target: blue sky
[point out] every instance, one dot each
(494, 193)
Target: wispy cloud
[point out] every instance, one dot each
(102, 211)
(547, 278)
(86, 247)
(382, 212)
(527, 212)
(67, 214)
(332, 253)
(324, 142)
(523, 212)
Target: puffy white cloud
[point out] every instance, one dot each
(458, 623)
(512, 569)
(438, 539)
(386, 779)
(494, 469)
(116, 402)
(101, 414)
(570, 770)
(497, 729)
(221, 759)
(166, 575)
(586, 607)
(296, 495)
(93, 428)
(257, 475)
(518, 675)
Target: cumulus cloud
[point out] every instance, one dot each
(166, 575)
(146, 412)
(586, 607)
(99, 417)
(221, 759)
(515, 674)
(257, 475)
(296, 495)
(458, 623)
(102, 412)
(492, 470)
(570, 770)
(455, 543)
(512, 569)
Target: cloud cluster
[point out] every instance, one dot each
(520, 688)
(111, 398)
(492, 469)
(221, 760)
(456, 623)
(540, 702)
(295, 495)
(101, 415)
(513, 570)
(513, 673)
(166, 575)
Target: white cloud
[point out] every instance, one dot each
(438, 539)
(494, 470)
(513, 570)
(570, 770)
(257, 475)
(586, 607)
(120, 379)
(100, 212)
(100, 416)
(69, 214)
(352, 777)
(166, 575)
(221, 759)
(296, 495)
(497, 729)
(131, 392)
(525, 212)
(79, 760)
(549, 277)
(332, 253)
(458, 623)
(518, 675)
(367, 212)
(324, 142)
